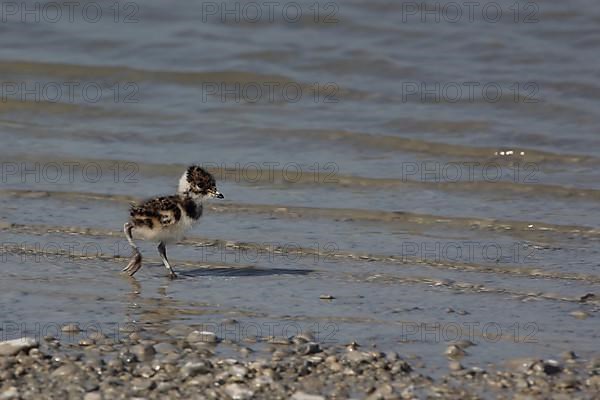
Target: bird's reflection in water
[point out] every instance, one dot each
(150, 313)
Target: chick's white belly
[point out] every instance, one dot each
(172, 233)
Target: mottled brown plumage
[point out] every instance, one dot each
(167, 218)
(164, 211)
(204, 181)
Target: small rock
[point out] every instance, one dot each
(384, 391)
(464, 344)
(10, 393)
(92, 396)
(115, 364)
(310, 348)
(65, 370)
(568, 383)
(238, 371)
(201, 337)
(305, 396)
(128, 328)
(86, 342)
(141, 385)
(238, 392)
(278, 340)
(143, 352)
(12, 347)
(455, 366)
(593, 381)
(128, 357)
(165, 386)
(165, 348)
(71, 328)
(551, 367)
(261, 381)
(304, 337)
(179, 331)
(352, 346)
(191, 369)
(357, 357)
(579, 314)
(522, 364)
(587, 296)
(454, 351)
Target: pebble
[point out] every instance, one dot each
(464, 344)
(304, 337)
(579, 314)
(65, 370)
(306, 396)
(238, 371)
(92, 396)
(10, 393)
(238, 392)
(454, 351)
(201, 337)
(179, 331)
(86, 342)
(143, 352)
(165, 348)
(278, 340)
(455, 366)
(71, 328)
(310, 348)
(141, 385)
(12, 347)
(191, 369)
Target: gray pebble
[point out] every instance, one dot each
(238, 392)
(12, 347)
(453, 351)
(165, 348)
(201, 337)
(305, 396)
(143, 352)
(71, 328)
(191, 369)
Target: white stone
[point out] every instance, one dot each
(306, 396)
(12, 347)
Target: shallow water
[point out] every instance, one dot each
(428, 218)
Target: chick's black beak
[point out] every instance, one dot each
(220, 195)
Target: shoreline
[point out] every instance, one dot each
(186, 366)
